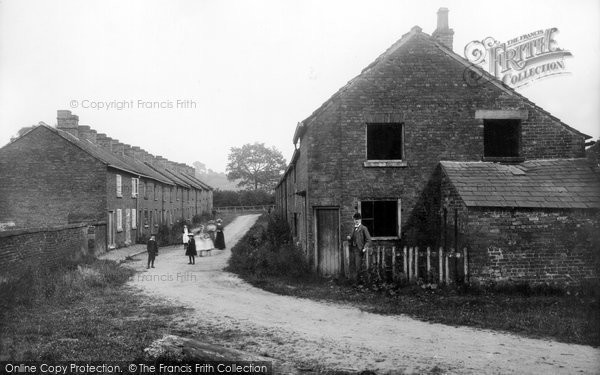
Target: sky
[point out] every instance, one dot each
(188, 80)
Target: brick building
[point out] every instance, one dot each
(71, 174)
(376, 145)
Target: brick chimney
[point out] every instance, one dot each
(147, 157)
(443, 33)
(172, 166)
(87, 133)
(161, 162)
(103, 141)
(128, 151)
(117, 147)
(67, 122)
(137, 153)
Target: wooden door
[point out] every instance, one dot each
(329, 259)
(128, 226)
(111, 228)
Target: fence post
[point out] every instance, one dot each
(428, 263)
(394, 263)
(447, 269)
(466, 264)
(405, 262)
(416, 263)
(441, 261)
(383, 263)
(410, 263)
(346, 246)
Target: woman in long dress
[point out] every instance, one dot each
(211, 229)
(220, 239)
(204, 241)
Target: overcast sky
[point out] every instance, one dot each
(252, 69)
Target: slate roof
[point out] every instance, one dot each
(169, 174)
(123, 163)
(555, 183)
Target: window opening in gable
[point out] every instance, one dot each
(385, 141)
(501, 137)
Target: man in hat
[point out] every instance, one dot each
(360, 240)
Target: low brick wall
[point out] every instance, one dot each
(534, 246)
(45, 246)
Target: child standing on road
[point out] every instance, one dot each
(152, 248)
(191, 249)
(186, 238)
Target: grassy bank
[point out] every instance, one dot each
(533, 312)
(78, 313)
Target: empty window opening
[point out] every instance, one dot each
(501, 138)
(380, 217)
(385, 141)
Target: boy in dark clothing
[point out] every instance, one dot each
(152, 248)
(191, 249)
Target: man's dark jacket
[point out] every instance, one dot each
(360, 237)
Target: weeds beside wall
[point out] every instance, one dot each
(267, 250)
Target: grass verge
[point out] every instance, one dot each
(78, 313)
(533, 312)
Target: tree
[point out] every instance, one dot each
(256, 166)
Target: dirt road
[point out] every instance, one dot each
(336, 336)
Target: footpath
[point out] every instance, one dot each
(123, 253)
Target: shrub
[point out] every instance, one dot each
(201, 218)
(171, 235)
(266, 250)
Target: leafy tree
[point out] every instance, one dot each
(256, 166)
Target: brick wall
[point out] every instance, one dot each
(124, 203)
(49, 181)
(46, 246)
(423, 88)
(532, 245)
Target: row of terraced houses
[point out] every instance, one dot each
(72, 178)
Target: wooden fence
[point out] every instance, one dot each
(411, 264)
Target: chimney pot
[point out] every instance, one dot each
(443, 33)
(442, 19)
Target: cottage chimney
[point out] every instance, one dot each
(87, 133)
(147, 157)
(172, 165)
(443, 33)
(116, 147)
(103, 141)
(128, 150)
(137, 153)
(67, 122)
(161, 162)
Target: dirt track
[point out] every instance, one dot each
(306, 333)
